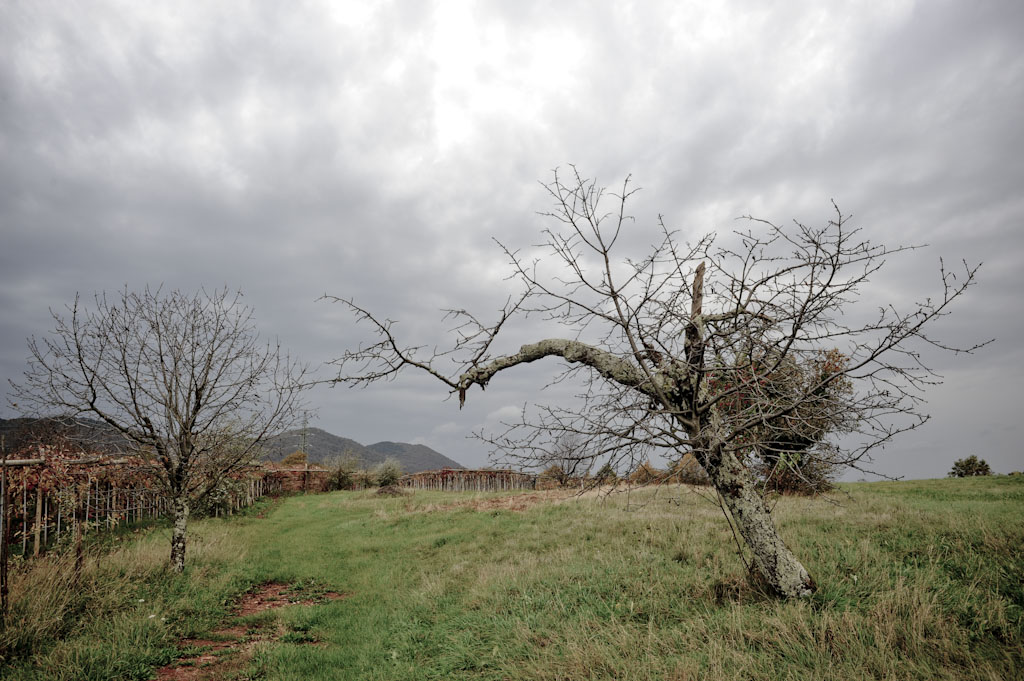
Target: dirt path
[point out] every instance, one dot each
(227, 651)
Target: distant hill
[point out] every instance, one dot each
(323, 447)
(320, 446)
(414, 458)
(87, 434)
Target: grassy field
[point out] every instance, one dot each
(918, 580)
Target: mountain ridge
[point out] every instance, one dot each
(324, 447)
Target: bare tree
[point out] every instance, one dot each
(184, 378)
(565, 460)
(735, 349)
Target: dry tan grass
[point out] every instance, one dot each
(48, 597)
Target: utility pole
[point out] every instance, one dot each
(305, 426)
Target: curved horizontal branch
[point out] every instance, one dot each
(608, 365)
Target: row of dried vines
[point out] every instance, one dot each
(452, 480)
(57, 496)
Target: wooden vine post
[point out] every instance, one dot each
(24, 515)
(5, 536)
(37, 526)
(79, 557)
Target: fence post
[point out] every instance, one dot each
(37, 526)
(46, 520)
(88, 493)
(5, 538)
(79, 558)
(24, 515)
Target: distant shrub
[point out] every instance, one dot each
(344, 473)
(688, 471)
(606, 475)
(219, 500)
(551, 477)
(295, 459)
(646, 474)
(387, 472)
(340, 478)
(363, 479)
(968, 467)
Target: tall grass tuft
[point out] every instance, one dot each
(123, 612)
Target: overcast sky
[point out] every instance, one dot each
(373, 149)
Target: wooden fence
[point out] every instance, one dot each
(41, 516)
(37, 508)
(43, 500)
(297, 478)
(460, 480)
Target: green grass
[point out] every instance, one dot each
(126, 612)
(918, 580)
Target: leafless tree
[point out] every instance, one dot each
(741, 348)
(184, 378)
(565, 460)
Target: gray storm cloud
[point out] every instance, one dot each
(374, 151)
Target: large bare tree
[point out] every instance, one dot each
(739, 349)
(184, 378)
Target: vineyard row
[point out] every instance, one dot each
(40, 501)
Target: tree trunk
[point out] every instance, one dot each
(178, 535)
(772, 558)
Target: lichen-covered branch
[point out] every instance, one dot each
(610, 366)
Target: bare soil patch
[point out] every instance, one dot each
(227, 650)
(514, 502)
(391, 491)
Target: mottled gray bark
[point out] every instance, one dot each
(178, 534)
(610, 366)
(781, 570)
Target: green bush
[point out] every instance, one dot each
(606, 475)
(387, 472)
(345, 473)
(219, 500)
(971, 466)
